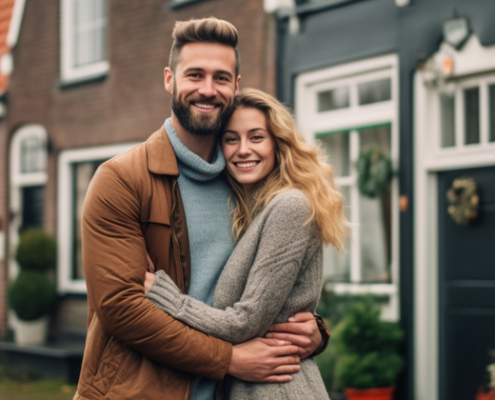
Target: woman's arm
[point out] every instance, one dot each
(282, 246)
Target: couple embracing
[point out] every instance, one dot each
(227, 209)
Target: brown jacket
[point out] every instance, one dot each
(134, 350)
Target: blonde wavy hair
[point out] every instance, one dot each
(298, 165)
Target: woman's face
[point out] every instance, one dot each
(248, 147)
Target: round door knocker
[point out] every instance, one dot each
(463, 200)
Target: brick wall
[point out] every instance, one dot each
(130, 103)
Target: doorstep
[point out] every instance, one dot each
(60, 358)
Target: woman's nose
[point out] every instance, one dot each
(244, 148)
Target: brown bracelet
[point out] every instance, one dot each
(325, 335)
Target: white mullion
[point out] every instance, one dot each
(484, 113)
(459, 118)
(355, 273)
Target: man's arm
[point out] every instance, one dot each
(114, 253)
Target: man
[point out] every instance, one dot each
(137, 204)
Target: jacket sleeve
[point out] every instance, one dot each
(283, 243)
(114, 257)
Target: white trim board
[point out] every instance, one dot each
(428, 161)
(65, 202)
(15, 23)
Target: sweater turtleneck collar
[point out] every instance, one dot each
(190, 164)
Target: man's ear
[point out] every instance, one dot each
(237, 84)
(168, 79)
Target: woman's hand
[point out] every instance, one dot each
(301, 330)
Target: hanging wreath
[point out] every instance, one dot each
(463, 200)
(374, 172)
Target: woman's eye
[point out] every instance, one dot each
(230, 140)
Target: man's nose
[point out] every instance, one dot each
(207, 88)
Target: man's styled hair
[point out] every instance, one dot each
(205, 30)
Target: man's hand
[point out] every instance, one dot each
(264, 360)
(150, 274)
(301, 330)
(148, 281)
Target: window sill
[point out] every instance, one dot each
(362, 288)
(174, 5)
(70, 83)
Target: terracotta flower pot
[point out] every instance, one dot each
(369, 394)
(483, 395)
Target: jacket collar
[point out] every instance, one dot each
(161, 156)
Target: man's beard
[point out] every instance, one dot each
(200, 125)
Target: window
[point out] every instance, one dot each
(348, 109)
(76, 168)
(83, 39)
(467, 115)
(28, 157)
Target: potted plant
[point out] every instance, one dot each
(369, 360)
(488, 392)
(32, 294)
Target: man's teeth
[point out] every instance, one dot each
(247, 164)
(205, 106)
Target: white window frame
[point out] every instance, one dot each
(473, 59)
(312, 122)
(19, 180)
(69, 72)
(65, 202)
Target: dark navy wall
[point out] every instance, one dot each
(334, 32)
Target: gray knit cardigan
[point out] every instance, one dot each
(274, 272)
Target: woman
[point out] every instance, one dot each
(285, 206)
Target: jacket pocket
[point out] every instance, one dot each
(112, 360)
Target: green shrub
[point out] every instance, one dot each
(36, 251)
(31, 295)
(368, 348)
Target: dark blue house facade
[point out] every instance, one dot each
(416, 79)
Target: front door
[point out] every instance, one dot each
(466, 289)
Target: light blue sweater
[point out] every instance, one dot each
(204, 194)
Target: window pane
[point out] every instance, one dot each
(375, 234)
(337, 267)
(336, 146)
(81, 174)
(375, 91)
(32, 207)
(447, 110)
(90, 31)
(333, 99)
(472, 115)
(376, 216)
(491, 112)
(32, 155)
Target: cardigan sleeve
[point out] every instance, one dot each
(284, 238)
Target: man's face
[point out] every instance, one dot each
(203, 87)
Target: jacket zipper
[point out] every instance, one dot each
(174, 236)
(188, 393)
